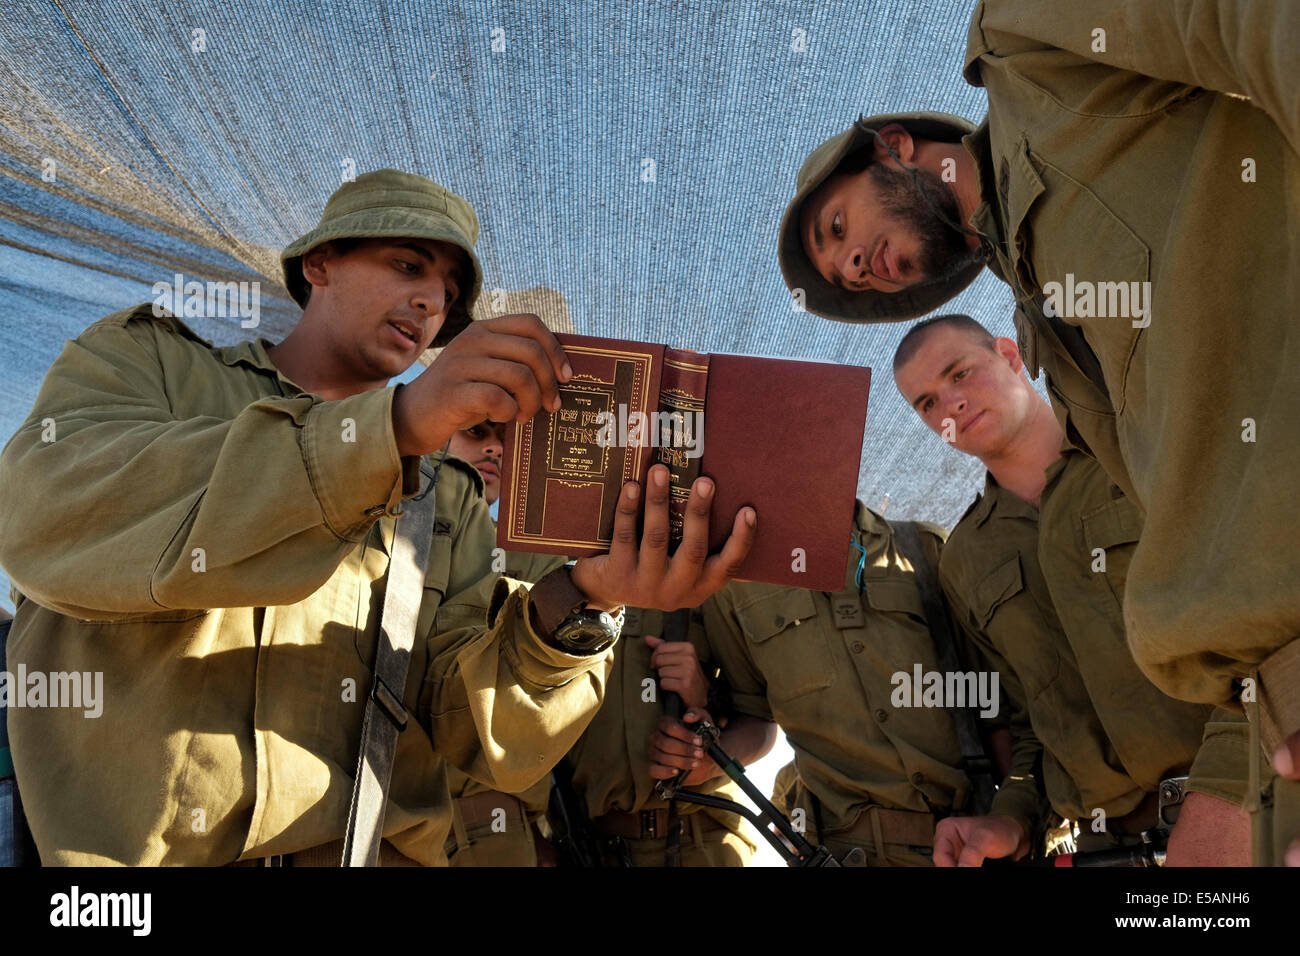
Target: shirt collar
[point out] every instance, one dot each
(254, 354)
(1004, 503)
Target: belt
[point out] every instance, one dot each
(877, 825)
(650, 824)
(477, 809)
(327, 854)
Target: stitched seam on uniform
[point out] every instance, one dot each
(307, 447)
(1017, 76)
(185, 523)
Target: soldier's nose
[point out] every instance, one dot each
(854, 267)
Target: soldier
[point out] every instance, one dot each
(612, 768)
(875, 771)
(1035, 572)
(1134, 183)
(489, 827)
(209, 529)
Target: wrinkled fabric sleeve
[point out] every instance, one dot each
(1246, 48)
(501, 704)
(116, 508)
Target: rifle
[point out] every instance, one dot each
(572, 834)
(769, 821)
(1150, 852)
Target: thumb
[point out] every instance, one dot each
(979, 845)
(1286, 761)
(652, 640)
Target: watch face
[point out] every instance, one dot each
(587, 631)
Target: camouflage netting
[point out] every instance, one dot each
(629, 164)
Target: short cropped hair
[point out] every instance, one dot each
(918, 333)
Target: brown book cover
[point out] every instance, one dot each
(782, 436)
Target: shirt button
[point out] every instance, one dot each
(881, 716)
(917, 779)
(857, 647)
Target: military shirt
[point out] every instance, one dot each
(825, 667)
(212, 539)
(1042, 599)
(1155, 145)
(521, 566)
(611, 760)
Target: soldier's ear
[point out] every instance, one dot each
(1008, 349)
(893, 136)
(313, 264)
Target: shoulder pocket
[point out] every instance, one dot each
(1002, 583)
(773, 613)
(900, 596)
(1114, 523)
(788, 642)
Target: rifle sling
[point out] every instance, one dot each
(908, 539)
(385, 715)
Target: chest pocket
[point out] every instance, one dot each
(1016, 627)
(1067, 244)
(1114, 528)
(788, 640)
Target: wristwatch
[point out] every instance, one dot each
(562, 616)
(587, 630)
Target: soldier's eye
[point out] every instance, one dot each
(837, 229)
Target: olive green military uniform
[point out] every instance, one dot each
(488, 827)
(1042, 600)
(872, 775)
(1164, 150)
(186, 521)
(610, 766)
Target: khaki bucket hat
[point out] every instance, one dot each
(830, 301)
(391, 203)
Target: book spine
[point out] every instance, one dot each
(679, 430)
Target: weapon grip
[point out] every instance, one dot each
(675, 626)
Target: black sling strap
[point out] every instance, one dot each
(977, 765)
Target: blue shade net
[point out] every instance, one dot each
(629, 163)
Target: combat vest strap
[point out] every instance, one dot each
(385, 714)
(975, 762)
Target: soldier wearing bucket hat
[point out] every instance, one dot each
(1134, 184)
(220, 554)
(392, 204)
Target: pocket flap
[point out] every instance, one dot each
(1002, 583)
(893, 595)
(1115, 523)
(773, 613)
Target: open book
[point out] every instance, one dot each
(783, 436)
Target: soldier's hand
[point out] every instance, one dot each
(679, 670)
(503, 369)
(969, 841)
(644, 575)
(1286, 761)
(675, 747)
(1287, 764)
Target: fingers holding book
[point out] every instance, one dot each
(638, 570)
(503, 369)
